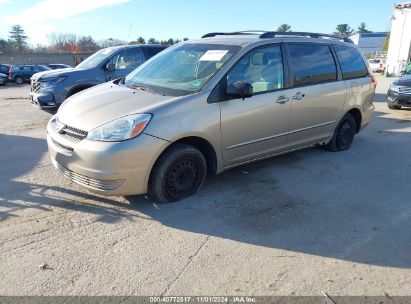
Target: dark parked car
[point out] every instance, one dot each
(23, 73)
(49, 89)
(399, 93)
(3, 79)
(56, 66)
(4, 68)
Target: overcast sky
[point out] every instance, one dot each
(163, 19)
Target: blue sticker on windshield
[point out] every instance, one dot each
(196, 83)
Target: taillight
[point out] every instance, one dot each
(381, 65)
(374, 81)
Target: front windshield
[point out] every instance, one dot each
(95, 59)
(183, 69)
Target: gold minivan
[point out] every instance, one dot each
(208, 105)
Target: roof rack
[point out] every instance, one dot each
(248, 32)
(267, 34)
(302, 34)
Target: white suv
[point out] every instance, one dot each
(377, 65)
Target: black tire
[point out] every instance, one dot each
(394, 107)
(343, 134)
(19, 80)
(178, 173)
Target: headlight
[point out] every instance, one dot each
(121, 129)
(51, 82)
(53, 122)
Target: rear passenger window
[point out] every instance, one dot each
(311, 64)
(351, 62)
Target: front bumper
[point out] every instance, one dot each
(46, 99)
(120, 168)
(398, 99)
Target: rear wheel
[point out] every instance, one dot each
(19, 80)
(394, 107)
(179, 173)
(343, 134)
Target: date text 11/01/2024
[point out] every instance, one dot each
(202, 299)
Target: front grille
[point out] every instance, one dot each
(74, 133)
(35, 86)
(405, 91)
(104, 185)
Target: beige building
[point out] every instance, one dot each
(42, 58)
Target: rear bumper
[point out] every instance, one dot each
(397, 99)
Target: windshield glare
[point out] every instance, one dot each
(183, 69)
(95, 59)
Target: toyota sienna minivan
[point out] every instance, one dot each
(204, 106)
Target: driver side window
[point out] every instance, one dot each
(128, 60)
(262, 68)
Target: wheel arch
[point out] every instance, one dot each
(78, 88)
(356, 113)
(200, 143)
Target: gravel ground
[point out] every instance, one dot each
(298, 224)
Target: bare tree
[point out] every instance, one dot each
(63, 42)
(105, 43)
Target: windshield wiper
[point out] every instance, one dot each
(139, 87)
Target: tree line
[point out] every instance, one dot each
(341, 30)
(72, 43)
(67, 42)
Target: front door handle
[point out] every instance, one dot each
(282, 99)
(298, 96)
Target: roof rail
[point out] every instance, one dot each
(267, 34)
(248, 32)
(302, 34)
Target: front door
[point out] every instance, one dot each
(257, 126)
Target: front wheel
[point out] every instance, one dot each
(343, 134)
(179, 173)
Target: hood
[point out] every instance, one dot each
(404, 81)
(106, 102)
(54, 73)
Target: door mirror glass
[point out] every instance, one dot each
(240, 89)
(110, 67)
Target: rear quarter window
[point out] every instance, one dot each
(311, 63)
(351, 62)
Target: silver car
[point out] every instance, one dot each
(208, 105)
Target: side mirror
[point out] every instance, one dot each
(110, 67)
(240, 89)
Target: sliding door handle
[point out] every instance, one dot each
(298, 96)
(282, 100)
